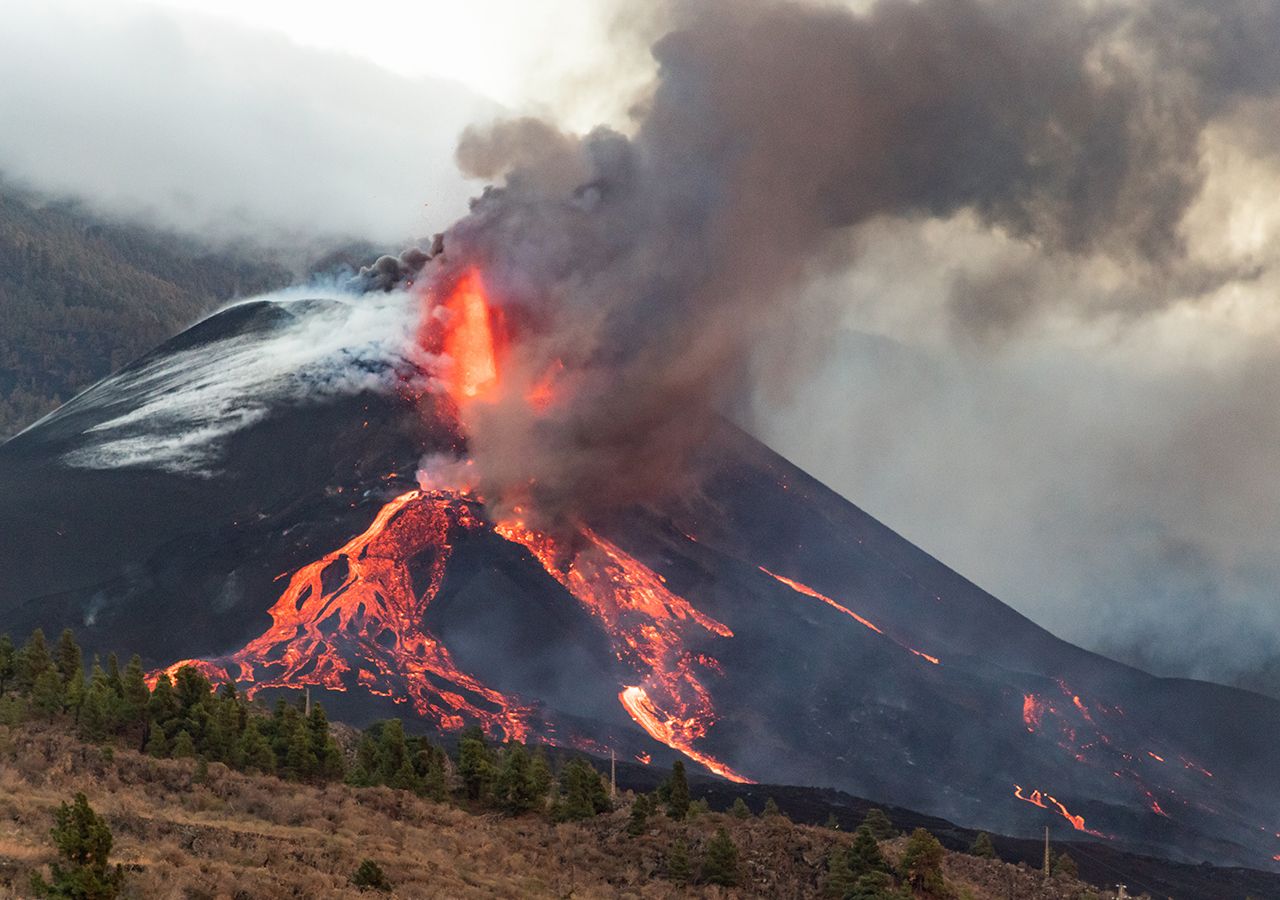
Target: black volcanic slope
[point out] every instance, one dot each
(822, 673)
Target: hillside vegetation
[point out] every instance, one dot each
(232, 835)
(231, 800)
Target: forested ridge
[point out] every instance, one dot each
(81, 296)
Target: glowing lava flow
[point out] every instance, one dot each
(1032, 712)
(1036, 798)
(810, 592)
(647, 623)
(359, 606)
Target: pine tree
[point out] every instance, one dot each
(434, 784)
(84, 844)
(254, 751)
(982, 846)
(720, 861)
(865, 855)
(770, 808)
(881, 828)
(32, 661)
(678, 798)
(94, 722)
(184, 746)
(878, 886)
(475, 766)
(329, 765)
(114, 678)
(840, 879)
(638, 821)
(365, 772)
(48, 694)
(922, 862)
(699, 807)
(136, 693)
(73, 692)
(222, 733)
(157, 744)
(540, 775)
(1065, 866)
(583, 792)
(162, 706)
(8, 662)
(70, 659)
(740, 810)
(832, 822)
(678, 868)
(392, 752)
(300, 761)
(514, 789)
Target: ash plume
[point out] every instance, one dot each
(652, 266)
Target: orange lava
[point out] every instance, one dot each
(469, 340)
(810, 592)
(648, 625)
(357, 606)
(1037, 798)
(1032, 712)
(672, 731)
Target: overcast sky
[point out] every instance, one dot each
(1096, 445)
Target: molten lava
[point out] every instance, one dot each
(1032, 712)
(469, 340)
(810, 592)
(648, 625)
(1036, 798)
(354, 617)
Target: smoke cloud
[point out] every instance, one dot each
(658, 269)
(191, 123)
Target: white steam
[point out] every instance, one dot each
(177, 410)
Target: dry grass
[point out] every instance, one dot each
(239, 837)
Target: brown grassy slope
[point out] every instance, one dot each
(241, 837)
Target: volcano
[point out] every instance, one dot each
(238, 501)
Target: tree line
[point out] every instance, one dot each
(187, 717)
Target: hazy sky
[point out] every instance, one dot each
(1095, 440)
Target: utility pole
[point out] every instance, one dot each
(307, 711)
(613, 774)
(1046, 853)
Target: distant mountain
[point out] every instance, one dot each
(81, 296)
(230, 499)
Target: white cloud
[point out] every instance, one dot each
(196, 123)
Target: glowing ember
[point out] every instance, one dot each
(1032, 712)
(810, 592)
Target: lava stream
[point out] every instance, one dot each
(810, 592)
(1037, 798)
(647, 624)
(358, 605)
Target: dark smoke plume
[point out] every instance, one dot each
(653, 265)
